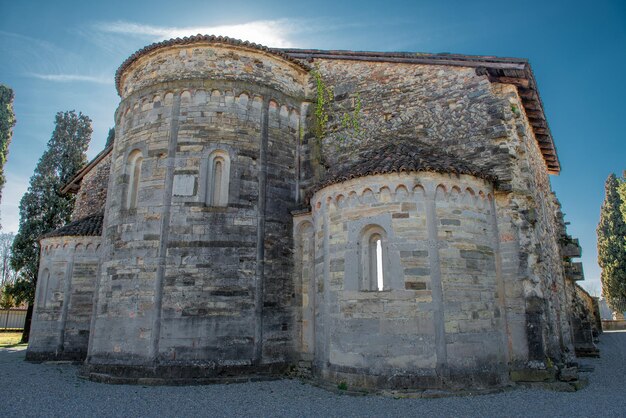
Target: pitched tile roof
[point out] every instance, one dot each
(398, 156)
(88, 226)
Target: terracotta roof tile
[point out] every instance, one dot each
(401, 155)
(88, 226)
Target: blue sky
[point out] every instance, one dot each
(62, 55)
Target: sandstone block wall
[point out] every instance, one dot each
(226, 62)
(440, 313)
(584, 317)
(532, 209)
(63, 301)
(448, 107)
(484, 123)
(185, 282)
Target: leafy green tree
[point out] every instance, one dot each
(21, 291)
(7, 121)
(612, 246)
(43, 208)
(7, 301)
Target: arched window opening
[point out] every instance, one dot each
(376, 262)
(135, 160)
(373, 259)
(218, 179)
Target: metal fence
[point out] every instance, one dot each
(12, 319)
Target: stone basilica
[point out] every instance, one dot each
(380, 219)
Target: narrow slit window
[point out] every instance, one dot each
(373, 256)
(376, 262)
(379, 264)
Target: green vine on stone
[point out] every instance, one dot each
(324, 99)
(349, 122)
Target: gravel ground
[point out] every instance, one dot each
(44, 390)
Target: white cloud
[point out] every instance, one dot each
(24, 54)
(66, 78)
(273, 33)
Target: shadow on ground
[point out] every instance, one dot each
(40, 390)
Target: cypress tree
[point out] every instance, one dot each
(43, 208)
(7, 122)
(621, 188)
(110, 137)
(612, 246)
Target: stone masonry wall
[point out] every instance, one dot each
(477, 280)
(448, 107)
(185, 283)
(125, 298)
(92, 195)
(533, 269)
(532, 209)
(439, 321)
(583, 315)
(213, 61)
(483, 123)
(63, 301)
(474, 320)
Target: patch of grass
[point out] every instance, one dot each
(10, 338)
(342, 386)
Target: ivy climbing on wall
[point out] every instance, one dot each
(324, 98)
(332, 119)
